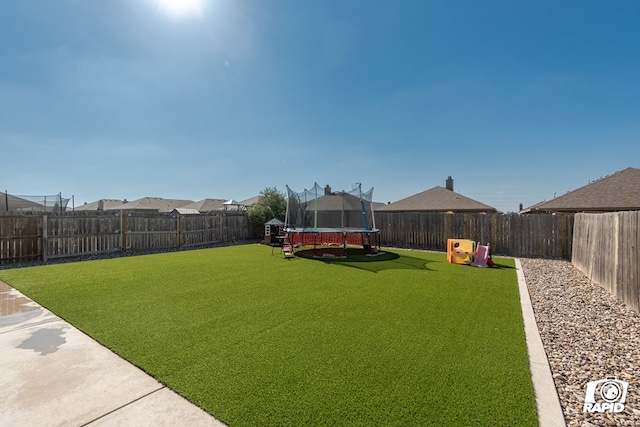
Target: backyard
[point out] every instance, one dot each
(404, 338)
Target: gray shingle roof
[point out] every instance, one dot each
(616, 192)
(107, 204)
(338, 202)
(17, 203)
(206, 205)
(155, 203)
(251, 201)
(438, 199)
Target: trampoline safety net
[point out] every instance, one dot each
(320, 208)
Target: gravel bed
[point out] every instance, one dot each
(588, 335)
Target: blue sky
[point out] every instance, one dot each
(518, 101)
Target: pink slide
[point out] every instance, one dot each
(481, 256)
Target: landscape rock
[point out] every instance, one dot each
(588, 335)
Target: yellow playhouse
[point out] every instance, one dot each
(460, 251)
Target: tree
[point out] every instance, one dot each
(272, 204)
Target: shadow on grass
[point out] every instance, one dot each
(501, 266)
(357, 258)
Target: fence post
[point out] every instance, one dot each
(45, 238)
(178, 231)
(564, 246)
(123, 229)
(494, 231)
(616, 256)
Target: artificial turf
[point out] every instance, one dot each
(404, 338)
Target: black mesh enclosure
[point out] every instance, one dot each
(321, 208)
(53, 203)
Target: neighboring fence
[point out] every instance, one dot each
(26, 237)
(32, 237)
(535, 236)
(606, 248)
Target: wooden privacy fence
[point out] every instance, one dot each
(606, 249)
(31, 237)
(536, 236)
(20, 238)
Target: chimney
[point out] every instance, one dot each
(449, 184)
(100, 205)
(327, 190)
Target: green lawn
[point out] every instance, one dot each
(255, 339)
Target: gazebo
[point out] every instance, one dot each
(231, 204)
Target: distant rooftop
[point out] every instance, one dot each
(439, 199)
(617, 192)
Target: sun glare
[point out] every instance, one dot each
(181, 7)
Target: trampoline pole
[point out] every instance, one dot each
(373, 215)
(342, 212)
(286, 212)
(364, 215)
(315, 209)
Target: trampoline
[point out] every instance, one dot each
(321, 223)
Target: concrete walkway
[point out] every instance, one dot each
(54, 375)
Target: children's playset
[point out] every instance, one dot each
(463, 251)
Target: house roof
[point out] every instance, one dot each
(251, 201)
(377, 205)
(155, 203)
(107, 204)
(206, 205)
(617, 192)
(438, 199)
(17, 203)
(342, 201)
(338, 202)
